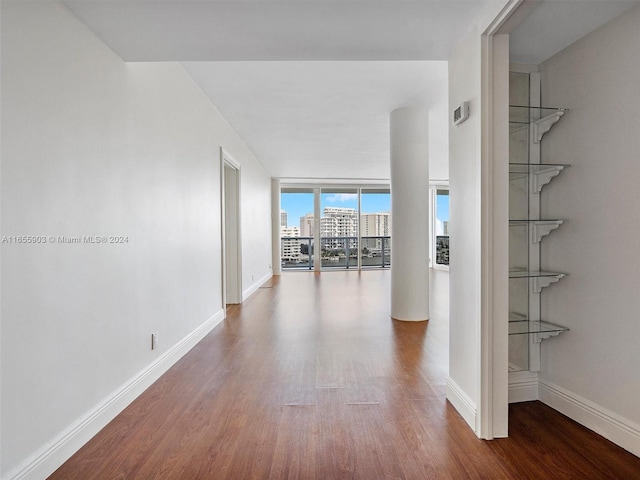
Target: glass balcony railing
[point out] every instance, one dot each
(297, 253)
(376, 252)
(339, 252)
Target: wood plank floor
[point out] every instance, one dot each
(310, 379)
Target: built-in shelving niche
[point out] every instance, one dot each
(527, 229)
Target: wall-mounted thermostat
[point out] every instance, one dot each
(461, 113)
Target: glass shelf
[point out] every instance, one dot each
(537, 274)
(537, 228)
(527, 168)
(537, 280)
(541, 173)
(525, 221)
(520, 114)
(528, 328)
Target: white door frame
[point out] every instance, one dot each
(493, 413)
(227, 161)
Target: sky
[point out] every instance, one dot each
(299, 204)
(442, 207)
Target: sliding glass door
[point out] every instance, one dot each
(339, 227)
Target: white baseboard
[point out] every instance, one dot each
(44, 461)
(610, 425)
(462, 403)
(523, 386)
(254, 288)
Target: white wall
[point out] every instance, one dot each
(465, 244)
(478, 178)
(94, 146)
(598, 79)
(255, 211)
(439, 139)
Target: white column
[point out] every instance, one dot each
(410, 214)
(275, 227)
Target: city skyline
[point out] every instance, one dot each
(339, 231)
(299, 204)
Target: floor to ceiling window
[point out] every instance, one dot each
(440, 229)
(353, 228)
(375, 227)
(296, 228)
(352, 231)
(339, 227)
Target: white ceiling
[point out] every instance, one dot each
(325, 119)
(309, 84)
(556, 24)
(213, 30)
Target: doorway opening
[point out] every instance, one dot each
(231, 239)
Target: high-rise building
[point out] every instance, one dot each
(375, 225)
(289, 244)
(442, 227)
(306, 225)
(283, 218)
(336, 224)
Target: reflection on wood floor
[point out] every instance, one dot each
(311, 379)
